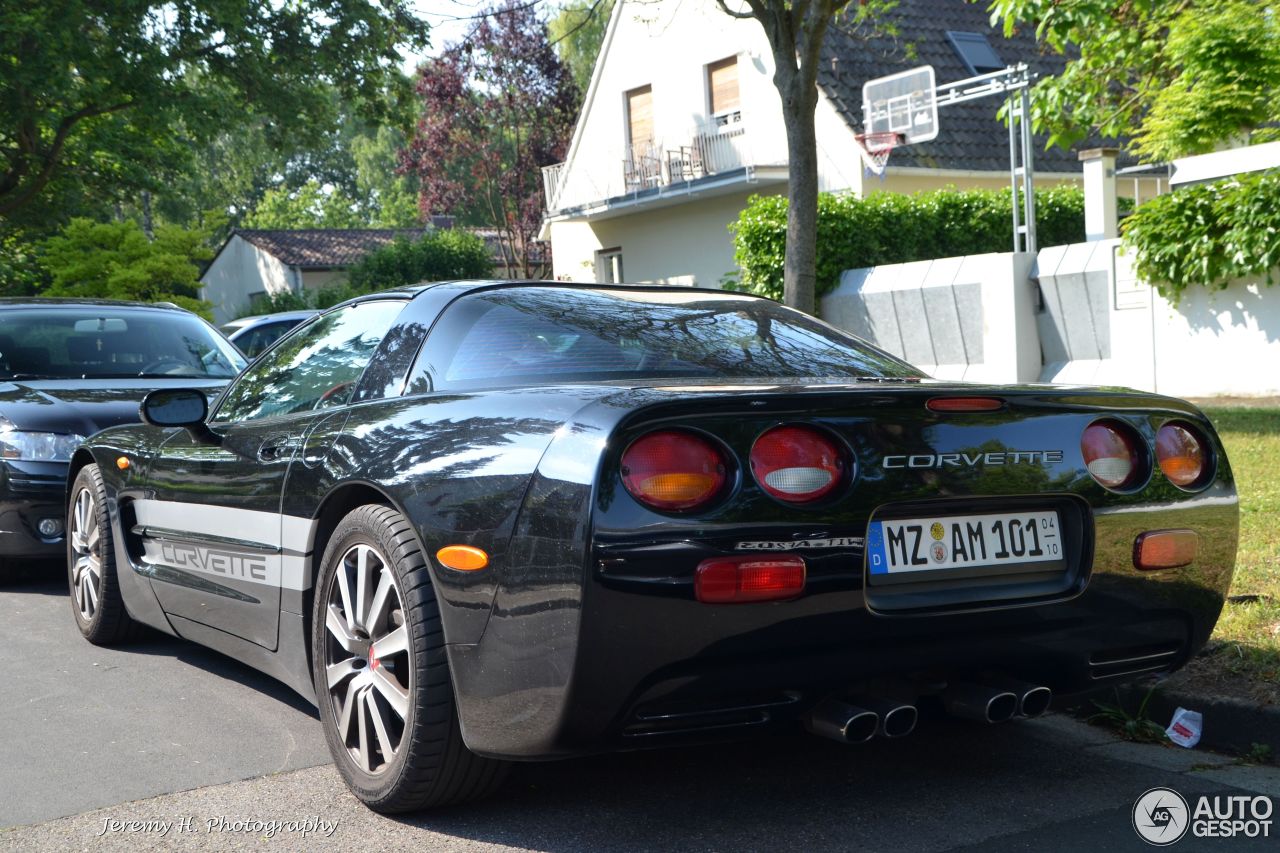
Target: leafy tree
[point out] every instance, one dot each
(1180, 78)
(439, 255)
(389, 199)
(92, 92)
(309, 206)
(795, 30)
(493, 112)
(577, 32)
(115, 260)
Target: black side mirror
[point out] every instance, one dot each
(179, 407)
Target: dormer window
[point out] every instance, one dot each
(722, 92)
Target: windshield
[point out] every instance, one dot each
(107, 342)
(531, 336)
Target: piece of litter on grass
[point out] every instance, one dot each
(1185, 728)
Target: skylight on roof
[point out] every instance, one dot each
(975, 52)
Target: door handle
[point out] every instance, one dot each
(277, 448)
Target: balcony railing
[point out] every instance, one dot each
(698, 155)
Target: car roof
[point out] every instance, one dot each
(467, 286)
(74, 302)
(300, 314)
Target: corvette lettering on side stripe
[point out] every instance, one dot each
(289, 536)
(798, 544)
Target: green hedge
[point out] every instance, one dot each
(891, 228)
(1208, 234)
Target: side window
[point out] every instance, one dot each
(315, 369)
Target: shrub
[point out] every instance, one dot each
(1208, 234)
(440, 254)
(890, 228)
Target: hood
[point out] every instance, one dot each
(84, 407)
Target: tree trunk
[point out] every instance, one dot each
(799, 278)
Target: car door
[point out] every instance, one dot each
(211, 523)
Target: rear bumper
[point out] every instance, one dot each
(606, 667)
(29, 493)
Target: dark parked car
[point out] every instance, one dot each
(69, 368)
(252, 335)
(478, 521)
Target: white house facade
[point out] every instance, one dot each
(681, 124)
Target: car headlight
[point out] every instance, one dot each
(36, 446)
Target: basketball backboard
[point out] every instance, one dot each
(904, 103)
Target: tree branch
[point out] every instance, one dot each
(14, 198)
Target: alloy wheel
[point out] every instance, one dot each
(86, 547)
(367, 658)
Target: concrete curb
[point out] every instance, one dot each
(1230, 725)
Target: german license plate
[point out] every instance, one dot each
(903, 545)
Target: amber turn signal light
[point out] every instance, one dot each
(1165, 549)
(463, 558)
(739, 580)
(122, 463)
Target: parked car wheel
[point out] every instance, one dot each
(381, 674)
(91, 565)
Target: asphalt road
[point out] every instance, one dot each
(89, 737)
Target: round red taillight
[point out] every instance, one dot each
(796, 464)
(1111, 454)
(1182, 454)
(673, 469)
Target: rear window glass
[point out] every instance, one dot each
(547, 335)
(106, 341)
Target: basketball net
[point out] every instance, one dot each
(875, 149)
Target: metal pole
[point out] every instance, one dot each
(1013, 168)
(1028, 173)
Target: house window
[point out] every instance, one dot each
(609, 266)
(722, 91)
(640, 119)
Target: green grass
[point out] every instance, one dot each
(1248, 634)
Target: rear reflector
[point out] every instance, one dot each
(1165, 549)
(1110, 451)
(1182, 455)
(796, 464)
(739, 580)
(964, 404)
(673, 470)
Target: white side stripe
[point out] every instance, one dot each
(291, 534)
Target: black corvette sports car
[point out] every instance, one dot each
(68, 368)
(477, 522)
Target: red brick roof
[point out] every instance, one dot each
(326, 248)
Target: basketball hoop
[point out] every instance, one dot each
(875, 149)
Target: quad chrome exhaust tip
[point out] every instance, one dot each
(843, 722)
(980, 702)
(861, 718)
(996, 700)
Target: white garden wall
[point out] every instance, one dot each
(1072, 314)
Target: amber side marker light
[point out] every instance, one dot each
(123, 463)
(1165, 549)
(464, 558)
(964, 404)
(740, 580)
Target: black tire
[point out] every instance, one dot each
(430, 766)
(105, 622)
